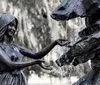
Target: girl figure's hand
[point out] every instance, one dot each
(43, 65)
(56, 70)
(62, 42)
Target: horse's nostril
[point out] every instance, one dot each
(53, 16)
(72, 15)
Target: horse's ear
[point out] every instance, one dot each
(91, 6)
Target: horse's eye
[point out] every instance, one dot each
(61, 8)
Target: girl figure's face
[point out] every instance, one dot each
(11, 29)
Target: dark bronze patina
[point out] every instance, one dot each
(88, 48)
(11, 54)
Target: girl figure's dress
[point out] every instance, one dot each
(14, 77)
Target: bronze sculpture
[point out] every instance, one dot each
(11, 54)
(88, 48)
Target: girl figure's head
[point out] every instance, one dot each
(8, 26)
(11, 29)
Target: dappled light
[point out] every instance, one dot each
(36, 30)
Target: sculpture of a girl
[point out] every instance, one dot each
(11, 54)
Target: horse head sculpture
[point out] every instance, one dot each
(69, 9)
(90, 9)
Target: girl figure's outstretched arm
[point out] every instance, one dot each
(43, 52)
(11, 65)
